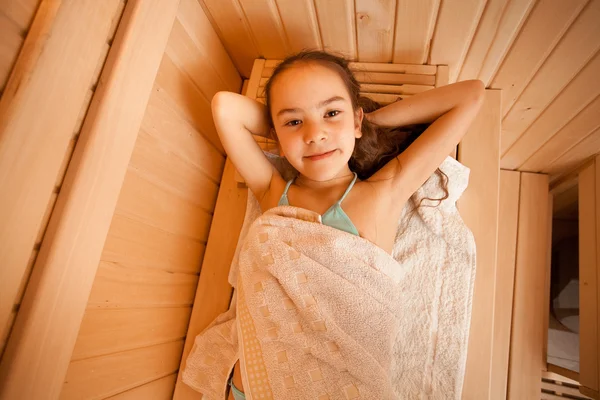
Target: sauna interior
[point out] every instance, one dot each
(119, 212)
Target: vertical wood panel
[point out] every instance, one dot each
(266, 27)
(32, 148)
(526, 364)
(300, 23)
(414, 26)
(498, 28)
(480, 151)
(588, 277)
(60, 285)
(375, 30)
(234, 31)
(338, 26)
(508, 214)
(553, 133)
(578, 45)
(455, 27)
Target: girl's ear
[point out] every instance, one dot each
(358, 118)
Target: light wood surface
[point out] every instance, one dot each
(589, 219)
(508, 215)
(160, 389)
(526, 358)
(32, 149)
(338, 27)
(375, 30)
(301, 26)
(478, 206)
(60, 285)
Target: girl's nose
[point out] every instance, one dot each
(314, 133)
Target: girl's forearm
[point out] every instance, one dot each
(426, 107)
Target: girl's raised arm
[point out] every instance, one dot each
(452, 109)
(237, 118)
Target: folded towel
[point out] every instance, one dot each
(394, 327)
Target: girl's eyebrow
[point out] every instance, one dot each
(320, 105)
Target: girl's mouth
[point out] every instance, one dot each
(321, 156)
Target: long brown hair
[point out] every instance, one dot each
(378, 145)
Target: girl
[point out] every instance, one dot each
(354, 168)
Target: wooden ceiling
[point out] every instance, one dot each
(543, 54)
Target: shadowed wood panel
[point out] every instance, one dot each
(479, 150)
(266, 27)
(547, 138)
(414, 26)
(118, 286)
(575, 49)
(183, 96)
(508, 215)
(526, 348)
(207, 42)
(234, 31)
(20, 12)
(300, 23)
(544, 27)
(160, 389)
(455, 27)
(338, 26)
(498, 27)
(134, 244)
(107, 331)
(589, 222)
(11, 42)
(100, 377)
(375, 30)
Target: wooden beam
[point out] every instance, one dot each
(36, 127)
(526, 349)
(40, 347)
(478, 206)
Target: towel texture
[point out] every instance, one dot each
(322, 314)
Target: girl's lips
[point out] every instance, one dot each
(320, 156)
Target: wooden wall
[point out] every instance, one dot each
(29, 206)
(133, 330)
(543, 54)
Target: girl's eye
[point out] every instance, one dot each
(293, 122)
(332, 113)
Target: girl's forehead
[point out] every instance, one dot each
(305, 85)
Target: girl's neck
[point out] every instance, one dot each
(342, 178)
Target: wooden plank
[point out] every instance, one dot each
(10, 45)
(545, 310)
(214, 292)
(236, 37)
(375, 30)
(394, 79)
(576, 155)
(567, 58)
(160, 389)
(182, 140)
(338, 28)
(526, 359)
(131, 243)
(588, 277)
(32, 148)
(479, 150)
(100, 377)
(545, 25)
(266, 27)
(200, 30)
(300, 23)
(118, 286)
(25, 280)
(508, 213)
(20, 12)
(558, 377)
(46, 328)
(254, 81)
(561, 125)
(182, 95)
(415, 22)
(562, 389)
(164, 210)
(455, 26)
(563, 372)
(107, 331)
(498, 28)
(368, 67)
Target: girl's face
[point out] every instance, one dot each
(314, 120)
